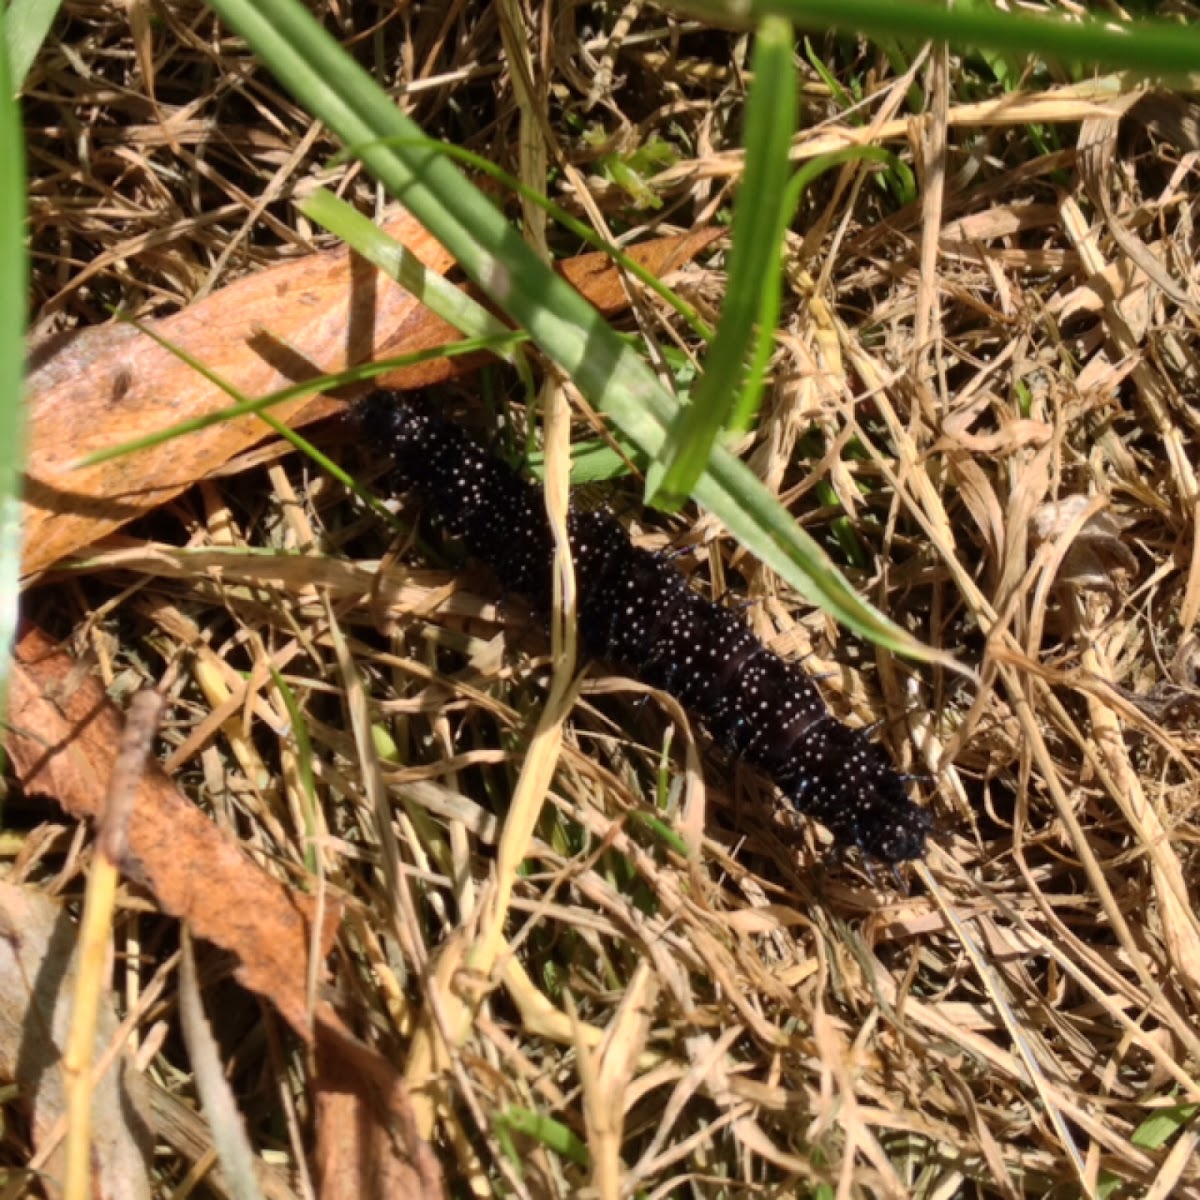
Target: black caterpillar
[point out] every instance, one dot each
(638, 613)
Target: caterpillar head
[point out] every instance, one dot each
(848, 784)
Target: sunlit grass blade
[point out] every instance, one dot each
(695, 440)
(14, 275)
(1163, 1124)
(25, 26)
(306, 786)
(1152, 47)
(552, 1134)
(759, 219)
(591, 462)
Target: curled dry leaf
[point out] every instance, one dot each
(317, 315)
(1098, 551)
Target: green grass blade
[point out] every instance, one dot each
(759, 219)
(1162, 1125)
(552, 1134)
(26, 24)
(305, 776)
(592, 461)
(14, 291)
(1160, 48)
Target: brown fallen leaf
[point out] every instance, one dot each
(368, 1147)
(61, 739)
(316, 315)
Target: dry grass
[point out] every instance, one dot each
(1005, 410)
